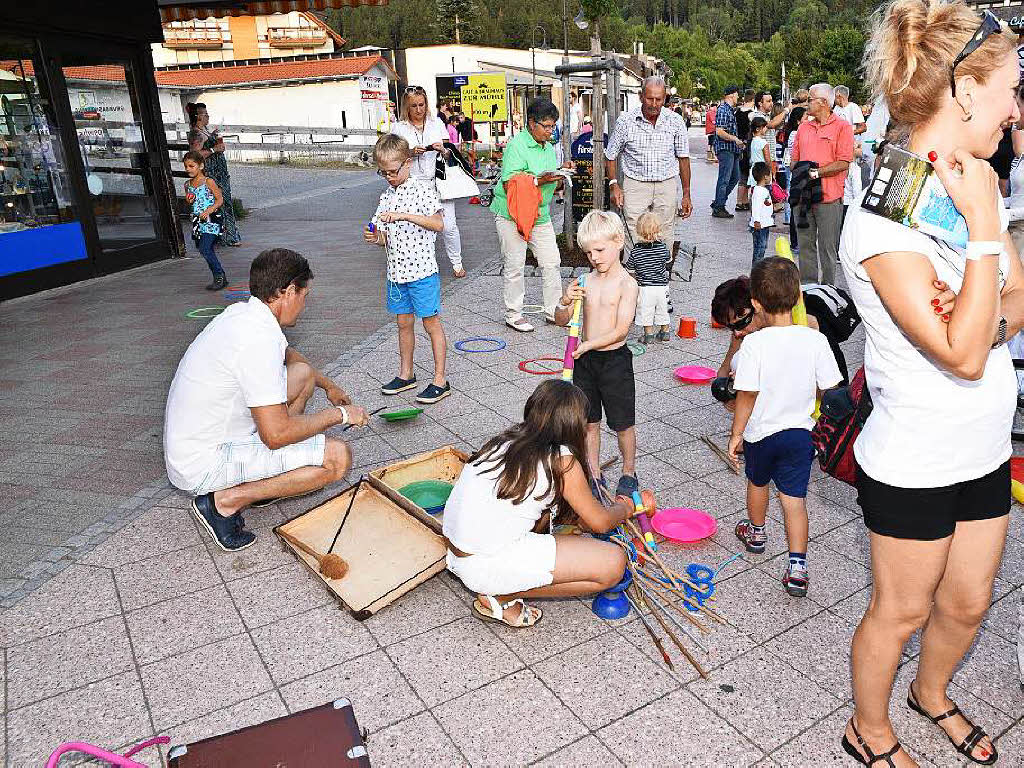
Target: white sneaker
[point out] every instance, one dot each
(519, 324)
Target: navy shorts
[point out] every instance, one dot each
(785, 458)
(420, 297)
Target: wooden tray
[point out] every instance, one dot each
(388, 550)
(324, 737)
(441, 464)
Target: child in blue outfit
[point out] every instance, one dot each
(203, 194)
(406, 223)
(780, 370)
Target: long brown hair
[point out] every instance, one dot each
(554, 415)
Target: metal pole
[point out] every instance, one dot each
(533, 66)
(568, 223)
(597, 113)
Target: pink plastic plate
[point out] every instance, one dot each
(682, 524)
(694, 374)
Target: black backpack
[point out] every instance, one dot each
(835, 305)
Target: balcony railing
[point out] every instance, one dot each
(296, 37)
(195, 37)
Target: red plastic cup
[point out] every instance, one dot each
(687, 328)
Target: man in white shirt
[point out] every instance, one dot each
(653, 143)
(849, 111)
(234, 428)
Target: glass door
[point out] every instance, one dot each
(113, 140)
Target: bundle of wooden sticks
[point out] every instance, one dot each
(660, 590)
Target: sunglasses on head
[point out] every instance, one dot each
(414, 89)
(989, 26)
(741, 322)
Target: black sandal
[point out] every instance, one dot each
(970, 742)
(872, 757)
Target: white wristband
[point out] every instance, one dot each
(612, 181)
(978, 248)
(344, 414)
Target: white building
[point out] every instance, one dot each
(349, 92)
(424, 64)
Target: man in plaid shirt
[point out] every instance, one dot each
(655, 150)
(728, 147)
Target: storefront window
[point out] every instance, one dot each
(38, 224)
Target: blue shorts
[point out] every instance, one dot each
(784, 457)
(420, 297)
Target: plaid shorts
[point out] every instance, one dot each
(248, 460)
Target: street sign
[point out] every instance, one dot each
(484, 98)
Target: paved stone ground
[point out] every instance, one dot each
(154, 630)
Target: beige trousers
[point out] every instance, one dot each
(513, 251)
(659, 197)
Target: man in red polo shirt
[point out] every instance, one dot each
(828, 141)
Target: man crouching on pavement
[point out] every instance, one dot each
(234, 429)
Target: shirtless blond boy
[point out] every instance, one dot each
(604, 364)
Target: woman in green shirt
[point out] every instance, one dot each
(530, 152)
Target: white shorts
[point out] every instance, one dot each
(652, 305)
(525, 564)
(248, 460)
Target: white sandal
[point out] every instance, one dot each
(528, 615)
(519, 323)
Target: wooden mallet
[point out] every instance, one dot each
(331, 566)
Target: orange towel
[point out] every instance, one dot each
(523, 197)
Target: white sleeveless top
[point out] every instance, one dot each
(928, 429)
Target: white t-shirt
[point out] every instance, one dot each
(757, 145)
(785, 365)
(851, 113)
(410, 247)
(423, 167)
(478, 522)
(234, 364)
(761, 207)
(928, 428)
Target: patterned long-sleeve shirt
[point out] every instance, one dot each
(726, 119)
(649, 152)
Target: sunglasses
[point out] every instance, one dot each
(415, 89)
(989, 26)
(740, 323)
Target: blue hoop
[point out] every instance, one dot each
(499, 342)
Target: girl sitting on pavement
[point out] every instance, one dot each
(515, 486)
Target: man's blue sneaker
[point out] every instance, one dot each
(627, 485)
(228, 532)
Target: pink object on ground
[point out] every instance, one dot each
(682, 524)
(121, 761)
(694, 374)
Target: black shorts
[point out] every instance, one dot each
(927, 514)
(606, 378)
(744, 166)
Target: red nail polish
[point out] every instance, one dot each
(935, 302)
(933, 156)
(938, 310)
(946, 318)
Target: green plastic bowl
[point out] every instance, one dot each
(431, 495)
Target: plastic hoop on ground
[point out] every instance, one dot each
(203, 313)
(636, 348)
(460, 345)
(533, 309)
(238, 288)
(524, 366)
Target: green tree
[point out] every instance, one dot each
(458, 21)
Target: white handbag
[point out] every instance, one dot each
(456, 183)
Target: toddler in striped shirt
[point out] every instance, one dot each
(649, 260)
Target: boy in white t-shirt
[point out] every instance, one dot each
(762, 210)
(780, 371)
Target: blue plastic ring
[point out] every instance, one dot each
(499, 342)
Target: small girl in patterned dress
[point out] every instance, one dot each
(203, 194)
(406, 223)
